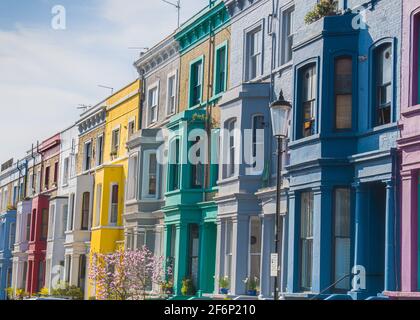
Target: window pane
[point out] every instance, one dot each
(306, 243)
(384, 65)
(114, 204)
(85, 210)
(152, 174)
(44, 224)
(309, 85)
(343, 111)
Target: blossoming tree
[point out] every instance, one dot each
(127, 275)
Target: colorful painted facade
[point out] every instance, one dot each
(122, 110)
(349, 203)
(408, 145)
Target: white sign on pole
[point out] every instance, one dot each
(274, 264)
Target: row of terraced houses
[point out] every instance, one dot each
(350, 170)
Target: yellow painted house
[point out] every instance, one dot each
(122, 115)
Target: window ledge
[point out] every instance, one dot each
(283, 67)
(411, 110)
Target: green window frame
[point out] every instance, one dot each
(196, 82)
(220, 69)
(174, 165)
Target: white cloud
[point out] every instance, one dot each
(45, 74)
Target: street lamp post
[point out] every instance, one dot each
(280, 112)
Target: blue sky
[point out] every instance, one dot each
(45, 73)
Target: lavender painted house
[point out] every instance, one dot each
(409, 146)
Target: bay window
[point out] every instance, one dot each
(114, 205)
(132, 177)
(306, 240)
(85, 211)
(308, 82)
(255, 248)
(174, 166)
(258, 126)
(98, 205)
(12, 235)
(231, 125)
(383, 84)
(342, 240)
(150, 175)
(44, 224)
(343, 86)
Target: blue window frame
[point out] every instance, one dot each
(343, 92)
(383, 92)
(307, 95)
(416, 62)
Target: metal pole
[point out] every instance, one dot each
(279, 185)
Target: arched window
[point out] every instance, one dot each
(383, 84)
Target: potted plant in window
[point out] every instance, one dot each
(224, 285)
(187, 287)
(168, 287)
(252, 285)
(322, 9)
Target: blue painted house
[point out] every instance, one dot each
(7, 236)
(343, 163)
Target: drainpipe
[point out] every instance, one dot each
(42, 167)
(33, 169)
(272, 34)
(141, 98)
(209, 114)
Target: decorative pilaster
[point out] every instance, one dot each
(266, 249)
(390, 238)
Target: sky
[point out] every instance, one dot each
(49, 66)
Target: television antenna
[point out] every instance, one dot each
(106, 87)
(177, 5)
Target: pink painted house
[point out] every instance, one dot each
(409, 145)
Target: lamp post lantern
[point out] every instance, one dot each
(280, 113)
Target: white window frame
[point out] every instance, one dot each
(66, 171)
(117, 128)
(250, 254)
(248, 33)
(286, 12)
(112, 184)
(132, 184)
(174, 75)
(145, 178)
(150, 120)
(98, 204)
(131, 121)
(85, 154)
(99, 155)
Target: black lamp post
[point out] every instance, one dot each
(280, 112)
